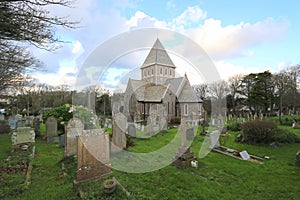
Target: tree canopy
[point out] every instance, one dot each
(24, 23)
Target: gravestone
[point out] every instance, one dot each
(51, 130)
(23, 135)
(132, 130)
(92, 155)
(20, 123)
(36, 126)
(74, 129)
(297, 161)
(244, 155)
(184, 156)
(28, 121)
(2, 117)
(119, 130)
(190, 134)
(214, 139)
(4, 127)
(12, 124)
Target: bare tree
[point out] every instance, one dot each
(23, 23)
(234, 86)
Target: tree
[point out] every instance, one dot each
(218, 92)
(24, 22)
(234, 86)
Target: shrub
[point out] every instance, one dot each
(234, 127)
(175, 120)
(259, 131)
(262, 131)
(65, 112)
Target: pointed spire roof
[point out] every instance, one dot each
(158, 55)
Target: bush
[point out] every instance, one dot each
(262, 131)
(234, 127)
(175, 120)
(65, 112)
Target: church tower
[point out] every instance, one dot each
(158, 66)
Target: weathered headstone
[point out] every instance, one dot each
(51, 130)
(2, 117)
(92, 155)
(74, 129)
(23, 135)
(4, 126)
(132, 130)
(119, 130)
(190, 134)
(214, 139)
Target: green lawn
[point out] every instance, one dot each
(218, 176)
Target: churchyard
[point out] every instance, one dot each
(45, 168)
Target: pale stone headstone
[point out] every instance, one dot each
(142, 128)
(12, 124)
(244, 155)
(132, 130)
(2, 117)
(190, 134)
(119, 130)
(51, 130)
(214, 139)
(23, 135)
(20, 123)
(92, 155)
(74, 128)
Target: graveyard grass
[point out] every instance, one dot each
(217, 177)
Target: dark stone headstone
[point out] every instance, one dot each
(4, 127)
(190, 134)
(36, 126)
(298, 158)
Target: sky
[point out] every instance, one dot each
(240, 37)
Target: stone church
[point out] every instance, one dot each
(159, 92)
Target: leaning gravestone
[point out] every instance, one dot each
(92, 155)
(119, 130)
(23, 135)
(51, 130)
(74, 129)
(214, 139)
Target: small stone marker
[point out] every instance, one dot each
(36, 126)
(92, 155)
(74, 129)
(23, 135)
(245, 155)
(51, 130)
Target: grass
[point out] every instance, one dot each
(217, 177)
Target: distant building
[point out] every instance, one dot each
(159, 91)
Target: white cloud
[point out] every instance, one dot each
(234, 40)
(77, 47)
(190, 15)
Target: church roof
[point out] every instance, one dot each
(158, 55)
(174, 84)
(188, 94)
(155, 93)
